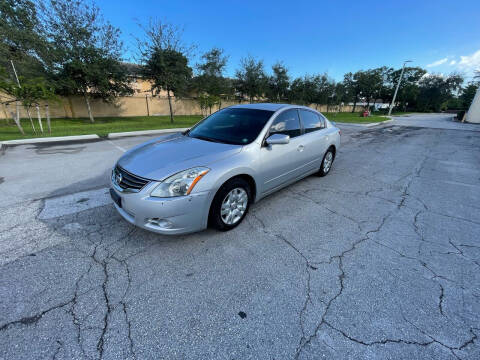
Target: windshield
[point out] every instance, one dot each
(232, 126)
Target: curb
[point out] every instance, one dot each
(144, 132)
(49, 139)
(365, 125)
(85, 137)
(379, 123)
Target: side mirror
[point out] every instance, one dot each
(277, 139)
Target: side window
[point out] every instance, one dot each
(311, 121)
(286, 123)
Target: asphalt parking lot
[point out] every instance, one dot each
(378, 260)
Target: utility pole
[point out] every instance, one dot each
(396, 89)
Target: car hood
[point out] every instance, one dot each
(162, 157)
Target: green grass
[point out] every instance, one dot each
(101, 127)
(105, 125)
(354, 118)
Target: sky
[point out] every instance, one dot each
(320, 36)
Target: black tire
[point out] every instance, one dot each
(323, 170)
(215, 218)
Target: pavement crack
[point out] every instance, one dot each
(440, 299)
(308, 267)
(129, 329)
(316, 202)
(34, 319)
(57, 350)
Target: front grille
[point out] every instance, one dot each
(126, 180)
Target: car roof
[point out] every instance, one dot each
(261, 106)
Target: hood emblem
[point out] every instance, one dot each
(118, 178)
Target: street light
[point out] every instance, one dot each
(398, 85)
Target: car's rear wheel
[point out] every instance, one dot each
(327, 162)
(230, 204)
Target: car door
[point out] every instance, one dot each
(314, 139)
(280, 162)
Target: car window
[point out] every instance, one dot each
(286, 123)
(311, 121)
(238, 126)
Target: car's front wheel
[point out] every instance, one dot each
(327, 162)
(230, 204)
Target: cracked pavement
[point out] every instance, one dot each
(378, 260)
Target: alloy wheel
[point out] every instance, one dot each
(234, 206)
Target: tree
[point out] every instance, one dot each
(86, 51)
(22, 38)
(435, 90)
(352, 87)
(324, 89)
(384, 88)
(168, 69)
(467, 95)
(210, 81)
(370, 82)
(29, 92)
(250, 78)
(409, 89)
(164, 58)
(302, 90)
(278, 83)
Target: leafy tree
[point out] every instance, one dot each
(468, 93)
(324, 89)
(436, 90)
(409, 88)
(22, 38)
(165, 59)
(87, 52)
(352, 87)
(340, 95)
(384, 88)
(210, 81)
(30, 92)
(278, 83)
(168, 69)
(370, 82)
(250, 78)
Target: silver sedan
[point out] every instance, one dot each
(212, 173)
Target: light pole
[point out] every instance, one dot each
(396, 89)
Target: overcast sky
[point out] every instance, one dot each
(320, 36)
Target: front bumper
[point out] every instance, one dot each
(175, 215)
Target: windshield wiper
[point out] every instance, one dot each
(206, 138)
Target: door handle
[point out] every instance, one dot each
(300, 148)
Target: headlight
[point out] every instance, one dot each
(180, 184)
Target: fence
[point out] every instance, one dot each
(74, 107)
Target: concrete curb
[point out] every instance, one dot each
(379, 123)
(144, 132)
(49, 139)
(85, 137)
(365, 125)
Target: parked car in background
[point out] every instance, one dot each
(212, 173)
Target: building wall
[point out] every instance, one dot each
(74, 107)
(473, 114)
